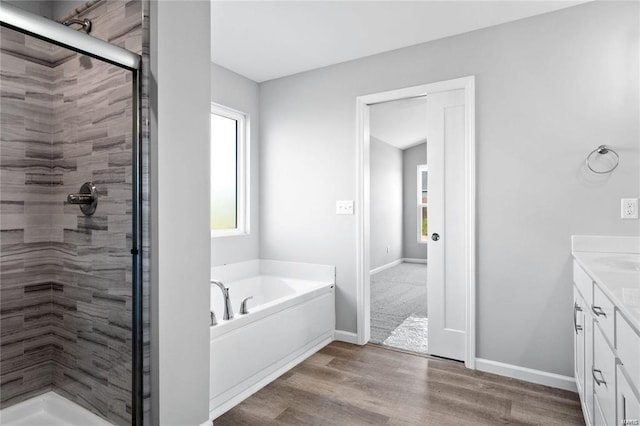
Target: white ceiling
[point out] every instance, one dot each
(399, 123)
(263, 40)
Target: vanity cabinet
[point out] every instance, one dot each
(606, 355)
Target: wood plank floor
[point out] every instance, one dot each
(346, 384)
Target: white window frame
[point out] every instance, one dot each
(421, 168)
(242, 172)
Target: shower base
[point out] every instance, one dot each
(49, 409)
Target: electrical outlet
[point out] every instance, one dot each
(344, 207)
(629, 208)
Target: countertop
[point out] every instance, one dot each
(618, 276)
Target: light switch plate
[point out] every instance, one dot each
(344, 207)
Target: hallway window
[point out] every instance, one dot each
(423, 229)
(229, 172)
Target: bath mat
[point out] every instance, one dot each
(396, 294)
(411, 335)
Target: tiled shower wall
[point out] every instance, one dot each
(27, 261)
(65, 282)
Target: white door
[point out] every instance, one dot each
(446, 248)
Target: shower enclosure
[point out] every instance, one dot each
(70, 213)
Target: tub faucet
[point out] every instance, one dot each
(243, 305)
(228, 310)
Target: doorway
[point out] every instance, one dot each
(450, 227)
(398, 226)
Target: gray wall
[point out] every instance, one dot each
(412, 158)
(235, 91)
(180, 108)
(386, 203)
(549, 89)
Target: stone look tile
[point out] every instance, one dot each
(65, 279)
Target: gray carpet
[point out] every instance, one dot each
(396, 294)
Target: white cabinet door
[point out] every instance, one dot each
(589, 325)
(583, 341)
(579, 340)
(628, 400)
(598, 416)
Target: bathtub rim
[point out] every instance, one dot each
(225, 327)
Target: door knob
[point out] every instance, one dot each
(435, 237)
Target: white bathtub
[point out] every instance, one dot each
(291, 316)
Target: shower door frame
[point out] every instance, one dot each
(57, 34)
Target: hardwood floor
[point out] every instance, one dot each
(346, 384)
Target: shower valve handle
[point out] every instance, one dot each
(80, 198)
(87, 198)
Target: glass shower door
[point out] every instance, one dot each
(69, 208)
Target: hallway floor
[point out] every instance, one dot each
(346, 384)
(399, 307)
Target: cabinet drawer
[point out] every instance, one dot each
(603, 312)
(628, 348)
(583, 282)
(627, 398)
(603, 373)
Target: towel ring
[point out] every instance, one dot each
(602, 150)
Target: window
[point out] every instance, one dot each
(423, 228)
(229, 172)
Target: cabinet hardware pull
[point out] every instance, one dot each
(598, 311)
(598, 382)
(576, 309)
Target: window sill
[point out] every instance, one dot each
(228, 233)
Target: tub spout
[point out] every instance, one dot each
(228, 310)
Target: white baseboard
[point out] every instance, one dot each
(345, 336)
(396, 263)
(527, 374)
(387, 266)
(414, 260)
